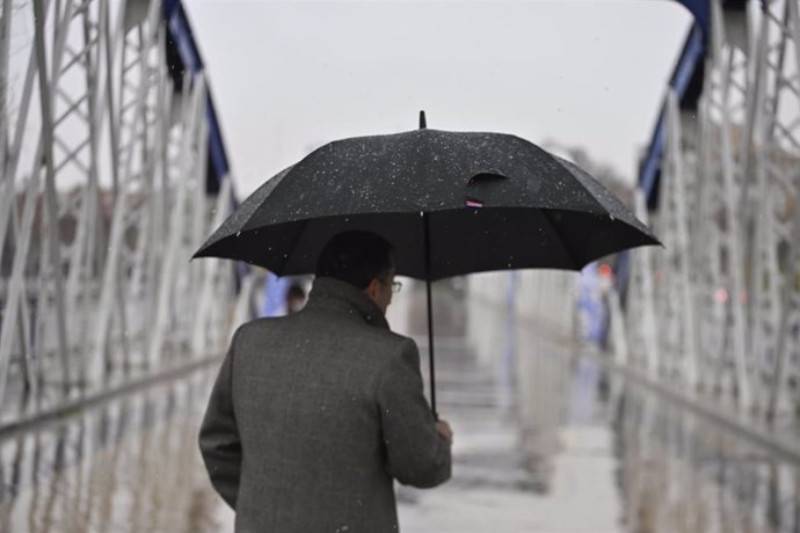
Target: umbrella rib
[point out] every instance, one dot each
(247, 220)
(546, 215)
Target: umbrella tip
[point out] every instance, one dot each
(422, 123)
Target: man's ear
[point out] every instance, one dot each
(373, 289)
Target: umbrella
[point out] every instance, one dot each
(451, 203)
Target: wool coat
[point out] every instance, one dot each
(313, 415)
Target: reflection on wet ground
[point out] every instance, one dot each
(131, 465)
(545, 441)
(679, 473)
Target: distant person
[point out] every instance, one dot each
(276, 292)
(313, 415)
(295, 299)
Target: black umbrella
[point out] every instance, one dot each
(451, 203)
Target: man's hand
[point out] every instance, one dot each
(444, 430)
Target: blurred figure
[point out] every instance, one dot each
(283, 295)
(276, 294)
(295, 299)
(590, 304)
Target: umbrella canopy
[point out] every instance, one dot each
(450, 203)
(490, 201)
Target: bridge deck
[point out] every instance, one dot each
(560, 445)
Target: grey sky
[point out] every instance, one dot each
(289, 76)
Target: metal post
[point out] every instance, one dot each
(196, 110)
(17, 285)
(158, 207)
(645, 264)
(678, 177)
(733, 234)
(7, 193)
(45, 95)
(199, 215)
(109, 289)
(209, 274)
(790, 298)
(5, 39)
(82, 248)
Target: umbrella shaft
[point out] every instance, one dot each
(430, 315)
(430, 352)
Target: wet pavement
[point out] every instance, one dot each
(501, 482)
(545, 441)
(510, 476)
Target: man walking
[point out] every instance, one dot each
(314, 414)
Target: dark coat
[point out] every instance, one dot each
(314, 414)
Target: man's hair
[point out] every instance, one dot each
(356, 257)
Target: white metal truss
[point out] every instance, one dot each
(778, 166)
(729, 214)
(642, 328)
(102, 205)
(676, 273)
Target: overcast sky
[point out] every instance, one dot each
(289, 76)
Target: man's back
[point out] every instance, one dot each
(327, 406)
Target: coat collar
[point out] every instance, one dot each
(333, 294)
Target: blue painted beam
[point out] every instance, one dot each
(182, 55)
(687, 80)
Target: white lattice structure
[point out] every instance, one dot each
(724, 293)
(104, 146)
